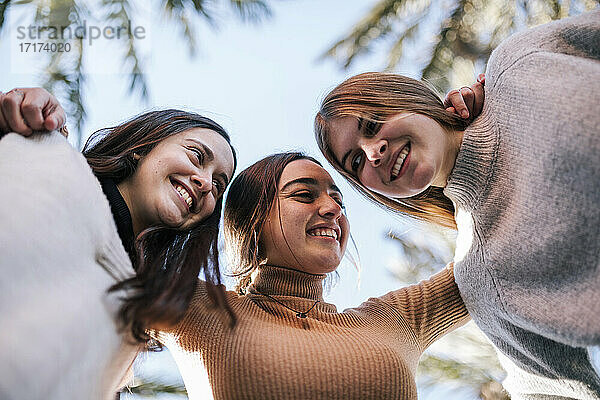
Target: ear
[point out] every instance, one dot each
(137, 157)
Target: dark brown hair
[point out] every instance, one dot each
(377, 97)
(166, 261)
(250, 198)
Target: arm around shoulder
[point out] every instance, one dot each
(432, 307)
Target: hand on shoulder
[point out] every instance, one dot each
(467, 101)
(28, 110)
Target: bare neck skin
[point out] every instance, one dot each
(455, 140)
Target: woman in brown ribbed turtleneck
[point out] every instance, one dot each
(286, 229)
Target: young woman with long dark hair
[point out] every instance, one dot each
(520, 183)
(96, 249)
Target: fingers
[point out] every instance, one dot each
(42, 111)
(30, 109)
(467, 101)
(468, 98)
(11, 109)
(456, 99)
(479, 96)
(54, 115)
(4, 128)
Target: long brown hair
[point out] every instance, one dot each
(166, 261)
(376, 97)
(251, 196)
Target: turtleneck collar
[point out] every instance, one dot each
(279, 281)
(121, 214)
(474, 165)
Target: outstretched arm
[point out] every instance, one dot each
(431, 308)
(27, 110)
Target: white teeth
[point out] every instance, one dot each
(186, 196)
(400, 161)
(324, 232)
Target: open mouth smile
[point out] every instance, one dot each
(399, 167)
(184, 193)
(324, 232)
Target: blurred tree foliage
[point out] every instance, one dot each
(464, 359)
(454, 37)
(65, 72)
(151, 387)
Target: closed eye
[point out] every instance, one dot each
(198, 153)
(304, 196)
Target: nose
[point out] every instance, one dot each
(203, 181)
(374, 151)
(330, 209)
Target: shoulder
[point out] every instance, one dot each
(51, 161)
(577, 36)
(51, 183)
(204, 307)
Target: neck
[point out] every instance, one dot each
(281, 281)
(455, 139)
(135, 221)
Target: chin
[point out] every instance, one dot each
(171, 219)
(325, 265)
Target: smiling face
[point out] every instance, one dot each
(399, 158)
(179, 181)
(306, 228)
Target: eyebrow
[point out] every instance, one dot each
(310, 182)
(345, 157)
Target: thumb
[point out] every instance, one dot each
(51, 123)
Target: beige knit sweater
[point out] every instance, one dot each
(367, 352)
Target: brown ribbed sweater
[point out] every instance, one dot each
(367, 352)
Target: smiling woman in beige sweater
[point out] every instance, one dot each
(286, 229)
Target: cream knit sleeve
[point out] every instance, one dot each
(431, 308)
(57, 319)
